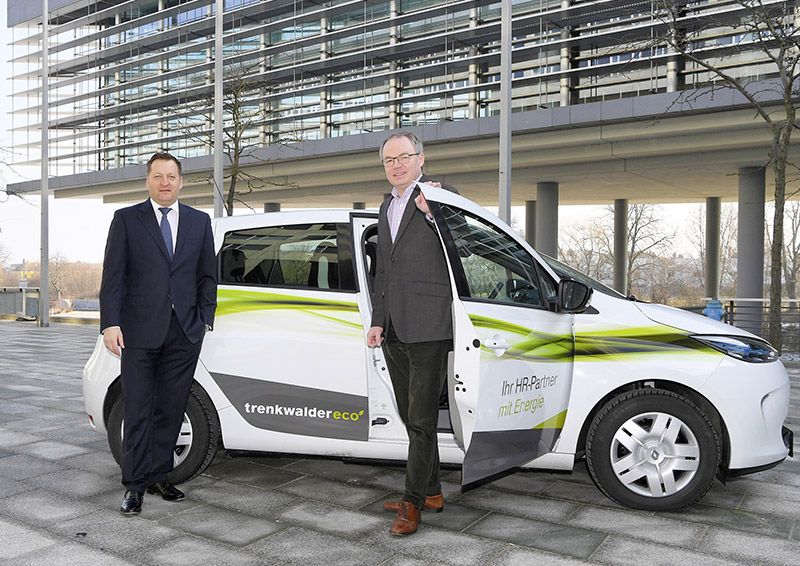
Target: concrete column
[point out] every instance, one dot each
(621, 245)
(324, 93)
(394, 84)
(546, 228)
(530, 222)
(272, 207)
(359, 205)
(750, 242)
(750, 246)
(713, 215)
(473, 69)
(568, 54)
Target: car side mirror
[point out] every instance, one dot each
(573, 296)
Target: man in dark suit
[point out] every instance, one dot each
(411, 317)
(157, 300)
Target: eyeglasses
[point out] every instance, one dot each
(401, 159)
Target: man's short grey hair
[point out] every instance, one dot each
(409, 136)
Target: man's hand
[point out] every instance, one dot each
(112, 339)
(420, 201)
(422, 204)
(375, 336)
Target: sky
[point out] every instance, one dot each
(78, 227)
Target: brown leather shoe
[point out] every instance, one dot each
(407, 520)
(433, 503)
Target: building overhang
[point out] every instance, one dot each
(661, 148)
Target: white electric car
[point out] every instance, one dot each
(659, 401)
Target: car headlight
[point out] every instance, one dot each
(741, 347)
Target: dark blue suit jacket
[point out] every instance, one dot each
(140, 284)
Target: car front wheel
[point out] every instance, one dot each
(197, 441)
(652, 449)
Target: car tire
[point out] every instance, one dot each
(652, 449)
(197, 443)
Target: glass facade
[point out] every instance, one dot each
(131, 78)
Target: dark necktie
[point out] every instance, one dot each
(166, 231)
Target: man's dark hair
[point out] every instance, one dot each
(163, 155)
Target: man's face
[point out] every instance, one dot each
(402, 175)
(164, 182)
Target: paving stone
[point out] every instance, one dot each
(516, 556)
(581, 492)
(9, 437)
(221, 525)
(9, 487)
(100, 462)
(189, 551)
(744, 520)
(408, 561)
(350, 496)
(557, 538)
(744, 547)
(111, 531)
(303, 547)
(50, 450)
(334, 520)
(779, 508)
(253, 474)
(723, 496)
(76, 483)
(237, 497)
(19, 540)
(433, 543)
(522, 505)
(628, 552)
(43, 508)
(63, 554)
(638, 525)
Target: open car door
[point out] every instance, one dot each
(511, 369)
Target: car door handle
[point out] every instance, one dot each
(498, 344)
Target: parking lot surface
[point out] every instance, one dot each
(60, 492)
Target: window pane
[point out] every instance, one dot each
(305, 255)
(496, 267)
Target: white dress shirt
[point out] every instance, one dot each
(172, 218)
(397, 207)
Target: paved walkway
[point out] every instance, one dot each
(60, 490)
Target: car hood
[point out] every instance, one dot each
(689, 321)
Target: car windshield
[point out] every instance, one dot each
(567, 271)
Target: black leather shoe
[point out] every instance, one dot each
(132, 504)
(167, 491)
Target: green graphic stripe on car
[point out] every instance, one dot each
(556, 421)
(230, 301)
(593, 346)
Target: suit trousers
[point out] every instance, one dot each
(155, 387)
(418, 371)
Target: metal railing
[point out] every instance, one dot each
(22, 302)
(753, 315)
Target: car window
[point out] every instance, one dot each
(302, 255)
(495, 266)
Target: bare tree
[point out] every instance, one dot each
(771, 30)
(583, 247)
(245, 114)
(791, 264)
(648, 236)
